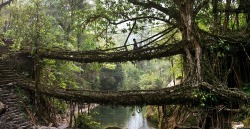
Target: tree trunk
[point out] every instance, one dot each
(188, 34)
(226, 20)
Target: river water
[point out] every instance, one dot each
(127, 118)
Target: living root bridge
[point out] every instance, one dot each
(177, 95)
(114, 55)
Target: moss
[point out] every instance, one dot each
(247, 122)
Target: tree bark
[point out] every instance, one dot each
(188, 34)
(226, 20)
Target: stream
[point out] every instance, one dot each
(127, 118)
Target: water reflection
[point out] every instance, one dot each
(127, 118)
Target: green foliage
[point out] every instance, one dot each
(30, 29)
(111, 79)
(2, 43)
(176, 69)
(152, 113)
(246, 88)
(54, 25)
(146, 75)
(60, 106)
(85, 121)
(205, 98)
(79, 25)
(46, 24)
(132, 76)
(148, 81)
(244, 114)
(60, 74)
(202, 16)
(221, 49)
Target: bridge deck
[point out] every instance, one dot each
(182, 94)
(113, 55)
(177, 95)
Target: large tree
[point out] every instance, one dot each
(214, 35)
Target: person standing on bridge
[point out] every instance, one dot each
(135, 44)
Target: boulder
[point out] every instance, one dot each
(237, 125)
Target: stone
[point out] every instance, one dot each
(43, 127)
(63, 126)
(113, 128)
(237, 125)
(2, 108)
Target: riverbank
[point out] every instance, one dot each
(109, 118)
(63, 120)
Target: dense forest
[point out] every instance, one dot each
(211, 44)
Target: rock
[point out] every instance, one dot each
(63, 126)
(2, 108)
(44, 127)
(10, 84)
(113, 128)
(237, 125)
